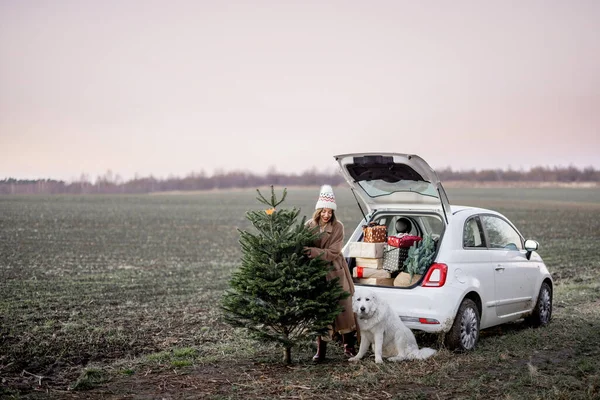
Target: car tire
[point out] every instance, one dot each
(542, 312)
(464, 334)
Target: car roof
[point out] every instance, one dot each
(471, 210)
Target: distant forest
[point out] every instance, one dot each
(110, 183)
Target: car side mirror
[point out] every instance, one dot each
(531, 246)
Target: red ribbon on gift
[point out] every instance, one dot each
(359, 272)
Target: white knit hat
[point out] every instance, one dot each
(326, 198)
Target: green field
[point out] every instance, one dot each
(117, 297)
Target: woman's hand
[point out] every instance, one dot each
(307, 251)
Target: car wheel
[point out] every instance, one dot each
(542, 312)
(464, 334)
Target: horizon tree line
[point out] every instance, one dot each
(110, 183)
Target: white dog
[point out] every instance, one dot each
(382, 328)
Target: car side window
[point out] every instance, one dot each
(473, 234)
(500, 234)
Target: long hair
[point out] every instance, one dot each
(317, 216)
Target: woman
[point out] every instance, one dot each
(330, 245)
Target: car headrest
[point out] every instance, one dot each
(403, 225)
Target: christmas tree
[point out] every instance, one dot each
(279, 294)
(420, 256)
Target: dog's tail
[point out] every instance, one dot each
(423, 353)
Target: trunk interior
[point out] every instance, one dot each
(387, 262)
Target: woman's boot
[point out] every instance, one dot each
(321, 350)
(349, 342)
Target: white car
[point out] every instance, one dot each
(484, 273)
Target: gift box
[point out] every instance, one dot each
(403, 240)
(361, 272)
(374, 233)
(394, 257)
(365, 250)
(403, 279)
(375, 263)
(376, 281)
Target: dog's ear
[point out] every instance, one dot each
(371, 296)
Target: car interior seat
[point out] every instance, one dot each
(403, 225)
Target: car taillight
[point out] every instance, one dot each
(429, 321)
(436, 276)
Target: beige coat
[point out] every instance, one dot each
(330, 245)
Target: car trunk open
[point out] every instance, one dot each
(393, 180)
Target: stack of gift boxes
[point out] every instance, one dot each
(369, 259)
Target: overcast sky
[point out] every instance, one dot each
(174, 87)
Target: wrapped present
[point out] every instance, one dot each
(393, 258)
(361, 272)
(375, 263)
(365, 250)
(373, 233)
(376, 281)
(402, 240)
(403, 279)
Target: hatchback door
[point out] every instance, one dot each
(384, 180)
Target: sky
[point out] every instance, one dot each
(169, 88)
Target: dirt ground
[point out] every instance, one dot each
(255, 380)
(235, 381)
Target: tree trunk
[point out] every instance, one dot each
(287, 355)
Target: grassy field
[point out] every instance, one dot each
(116, 297)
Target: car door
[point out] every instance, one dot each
(475, 262)
(514, 275)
